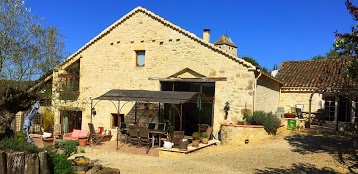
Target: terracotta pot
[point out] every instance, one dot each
(195, 143)
(205, 140)
(82, 142)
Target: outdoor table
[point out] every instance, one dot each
(154, 132)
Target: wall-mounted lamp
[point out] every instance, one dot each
(94, 112)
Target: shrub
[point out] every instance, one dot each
(15, 145)
(20, 136)
(70, 147)
(247, 118)
(196, 135)
(271, 123)
(204, 135)
(48, 120)
(61, 164)
(258, 118)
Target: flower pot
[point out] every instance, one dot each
(205, 140)
(183, 145)
(82, 142)
(290, 115)
(195, 143)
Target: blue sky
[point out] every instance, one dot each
(271, 31)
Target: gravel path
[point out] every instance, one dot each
(295, 153)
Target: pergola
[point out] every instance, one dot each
(169, 97)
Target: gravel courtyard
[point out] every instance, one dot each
(305, 152)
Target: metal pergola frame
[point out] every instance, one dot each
(169, 97)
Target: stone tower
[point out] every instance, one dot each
(226, 44)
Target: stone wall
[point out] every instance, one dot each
(291, 98)
(237, 134)
(267, 95)
(110, 63)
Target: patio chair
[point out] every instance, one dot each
(169, 135)
(151, 125)
(293, 110)
(209, 132)
(133, 135)
(299, 113)
(57, 131)
(321, 117)
(177, 136)
(94, 137)
(123, 131)
(144, 138)
(202, 127)
(161, 126)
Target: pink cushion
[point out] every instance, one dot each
(75, 133)
(84, 133)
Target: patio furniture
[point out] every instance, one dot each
(57, 131)
(161, 126)
(300, 106)
(202, 127)
(209, 132)
(169, 135)
(144, 138)
(293, 110)
(321, 117)
(280, 111)
(123, 130)
(75, 134)
(151, 125)
(41, 141)
(94, 137)
(133, 135)
(177, 136)
(299, 113)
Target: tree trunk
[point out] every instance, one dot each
(32, 164)
(44, 163)
(2, 162)
(15, 163)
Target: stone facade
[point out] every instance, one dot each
(109, 62)
(291, 98)
(267, 94)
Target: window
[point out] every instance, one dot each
(117, 119)
(140, 58)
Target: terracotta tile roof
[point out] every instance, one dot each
(225, 40)
(328, 72)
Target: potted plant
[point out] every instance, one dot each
(204, 138)
(196, 139)
(183, 144)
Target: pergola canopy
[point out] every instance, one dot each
(173, 97)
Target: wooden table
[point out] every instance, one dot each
(156, 132)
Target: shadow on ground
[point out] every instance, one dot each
(298, 168)
(343, 148)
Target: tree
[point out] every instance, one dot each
(330, 53)
(347, 43)
(255, 63)
(28, 50)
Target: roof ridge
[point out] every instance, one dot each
(170, 24)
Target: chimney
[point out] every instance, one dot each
(206, 35)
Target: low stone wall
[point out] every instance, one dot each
(19, 162)
(237, 134)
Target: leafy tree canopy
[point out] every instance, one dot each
(254, 62)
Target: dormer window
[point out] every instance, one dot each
(140, 58)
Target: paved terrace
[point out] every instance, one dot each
(316, 150)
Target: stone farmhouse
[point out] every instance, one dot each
(143, 51)
(324, 83)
